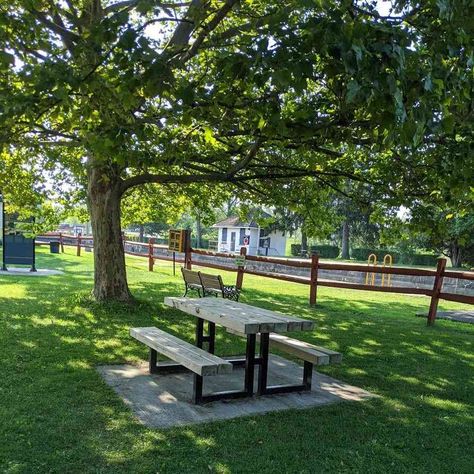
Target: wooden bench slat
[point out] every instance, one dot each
(317, 355)
(211, 282)
(238, 316)
(192, 357)
(300, 349)
(190, 277)
(196, 308)
(234, 310)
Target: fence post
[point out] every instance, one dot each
(241, 270)
(437, 286)
(313, 291)
(187, 251)
(78, 253)
(151, 260)
(61, 242)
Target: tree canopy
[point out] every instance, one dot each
(121, 94)
(214, 91)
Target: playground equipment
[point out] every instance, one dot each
(387, 277)
(370, 276)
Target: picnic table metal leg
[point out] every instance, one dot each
(250, 364)
(197, 389)
(211, 338)
(307, 375)
(263, 371)
(199, 332)
(153, 361)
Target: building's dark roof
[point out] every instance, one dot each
(235, 221)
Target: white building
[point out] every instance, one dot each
(234, 234)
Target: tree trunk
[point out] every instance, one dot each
(104, 195)
(141, 237)
(198, 232)
(304, 242)
(345, 240)
(455, 255)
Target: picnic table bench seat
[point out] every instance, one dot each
(208, 284)
(305, 351)
(189, 356)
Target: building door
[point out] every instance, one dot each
(232, 241)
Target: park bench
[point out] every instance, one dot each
(185, 356)
(309, 353)
(191, 281)
(209, 285)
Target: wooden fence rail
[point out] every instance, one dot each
(314, 266)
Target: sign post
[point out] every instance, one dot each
(240, 262)
(179, 240)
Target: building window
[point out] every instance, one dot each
(242, 236)
(224, 235)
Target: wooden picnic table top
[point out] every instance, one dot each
(240, 317)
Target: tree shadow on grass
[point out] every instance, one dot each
(54, 402)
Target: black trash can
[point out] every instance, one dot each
(54, 246)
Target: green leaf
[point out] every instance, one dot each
(352, 90)
(7, 58)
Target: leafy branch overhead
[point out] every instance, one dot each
(237, 91)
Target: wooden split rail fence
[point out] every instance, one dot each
(314, 265)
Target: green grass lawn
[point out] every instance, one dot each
(56, 414)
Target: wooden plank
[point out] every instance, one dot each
(192, 357)
(198, 263)
(460, 298)
(437, 287)
(459, 275)
(303, 350)
(190, 277)
(299, 349)
(388, 289)
(280, 276)
(238, 316)
(281, 261)
(378, 269)
(266, 320)
(164, 343)
(288, 344)
(274, 321)
(210, 282)
(197, 308)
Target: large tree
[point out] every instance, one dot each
(120, 94)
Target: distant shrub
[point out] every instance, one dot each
(403, 258)
(296, 250)
(362, 253)
(427, 259)
(325, 251)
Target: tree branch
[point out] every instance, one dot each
(183, 31)
(129, 4)
(241, 164)
(67, 36)
(216, 178)
(212, 25)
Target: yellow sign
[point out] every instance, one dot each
(177, 240)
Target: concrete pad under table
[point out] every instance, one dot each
(16, 271)
(164, 401)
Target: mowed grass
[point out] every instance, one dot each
(57, 415)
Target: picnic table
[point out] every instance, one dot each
(251, 322)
